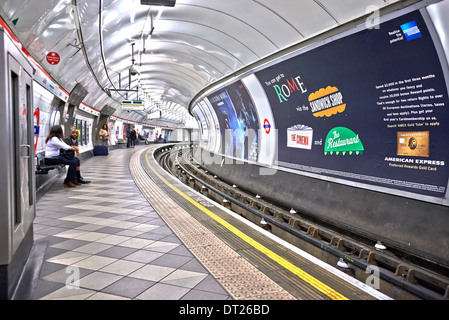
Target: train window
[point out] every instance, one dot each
(15, 107)
(55, 117)
(83, 128)
(29, 139)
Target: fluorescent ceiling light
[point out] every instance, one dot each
(165, 3)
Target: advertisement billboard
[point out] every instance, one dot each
(238, 120)
(369, 107)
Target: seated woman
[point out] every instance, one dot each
(54, 143)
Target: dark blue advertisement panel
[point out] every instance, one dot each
(238, 121)
(370, 107)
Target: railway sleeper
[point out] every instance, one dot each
(298, 224)
(313, 232)
(407, 273)
(368, 255)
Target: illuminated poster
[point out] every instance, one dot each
(198, 113)
(370, 107)
(238, 119)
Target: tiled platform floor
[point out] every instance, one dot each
(105, 241)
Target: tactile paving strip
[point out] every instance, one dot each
(214, 254)
(251, 286)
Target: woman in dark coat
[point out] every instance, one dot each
(132, 137)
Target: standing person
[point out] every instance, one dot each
(132, 137)
(52, 151)
(70, 154)
(104, 135)
(128, 132)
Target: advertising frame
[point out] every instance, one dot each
(439, 199)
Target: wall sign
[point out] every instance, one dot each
(53, 58)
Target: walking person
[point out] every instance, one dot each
(54, 143)
(132, 137)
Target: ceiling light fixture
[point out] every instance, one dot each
(133, 70)
(165, 3)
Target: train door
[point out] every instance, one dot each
(22, 150)
(17, 189)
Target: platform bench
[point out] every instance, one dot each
(42, 167)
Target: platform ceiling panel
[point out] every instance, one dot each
(178, 50)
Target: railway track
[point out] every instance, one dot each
(399, 274)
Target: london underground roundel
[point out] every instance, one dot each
(267, 126)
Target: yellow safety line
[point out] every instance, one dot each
(280, 260)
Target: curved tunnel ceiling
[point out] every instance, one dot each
(191, 45)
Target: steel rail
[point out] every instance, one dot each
(384, 274)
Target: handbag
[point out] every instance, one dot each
(103, 135)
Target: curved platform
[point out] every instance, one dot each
(136, 232)
(108, 236)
